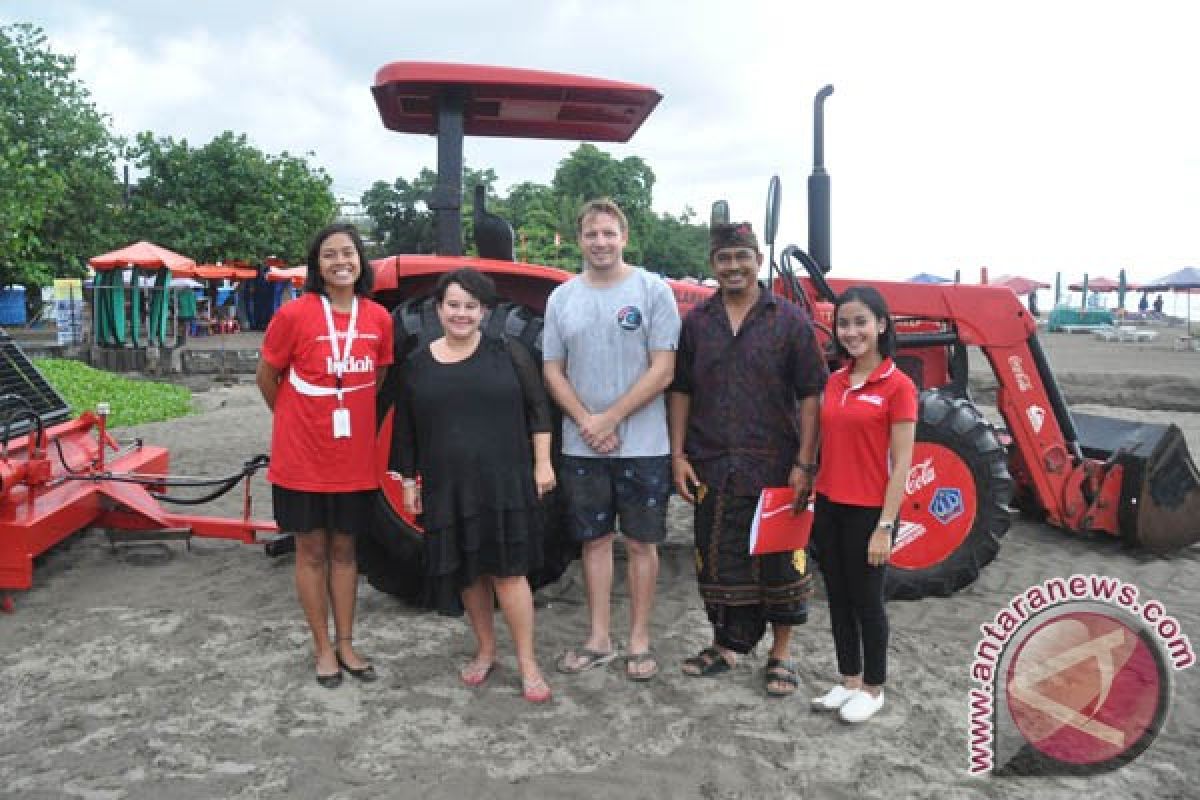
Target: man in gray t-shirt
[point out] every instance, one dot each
(609, 350)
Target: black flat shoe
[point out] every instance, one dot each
(367, 674)
(330, 681)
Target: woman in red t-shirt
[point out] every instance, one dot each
(322, 358)
(868, 423)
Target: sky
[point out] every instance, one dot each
(1027, 137)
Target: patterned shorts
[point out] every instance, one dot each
(603, 493)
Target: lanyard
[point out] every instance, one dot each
(340, 362)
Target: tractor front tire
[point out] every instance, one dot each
(956, 504)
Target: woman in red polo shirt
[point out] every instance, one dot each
(322, 358)
(868, 422)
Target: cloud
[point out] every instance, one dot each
(1030, 137)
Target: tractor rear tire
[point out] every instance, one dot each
(960, 506)
(392, 557)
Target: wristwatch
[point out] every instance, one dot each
(886, 526)
(808, 469)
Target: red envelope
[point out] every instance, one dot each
(776, 529)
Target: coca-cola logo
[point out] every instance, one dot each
(1018, 371)
(920, 476)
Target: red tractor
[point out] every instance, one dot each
(1081, 473)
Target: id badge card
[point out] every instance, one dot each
(341, 423)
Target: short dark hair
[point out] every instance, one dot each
(471, 281)
(601, 205)
(870, 297)
(313, 282)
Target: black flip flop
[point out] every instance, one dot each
(707, 662)
(636, 660)
(588, 660)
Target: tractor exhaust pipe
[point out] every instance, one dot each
(818, 188)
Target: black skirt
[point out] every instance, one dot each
(304, 512)
(495, 543)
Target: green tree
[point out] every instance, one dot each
(674, 245)
(589, 172)
(59, 198)
(543, 235)
(227, 200)
(402, 222)
(543, 217)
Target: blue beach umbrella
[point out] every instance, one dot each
(1181, 280)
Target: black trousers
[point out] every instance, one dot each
(855, 589)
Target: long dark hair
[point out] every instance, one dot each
(870, 297)
(313, 282)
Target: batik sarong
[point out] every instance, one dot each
(743, 593)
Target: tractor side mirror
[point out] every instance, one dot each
(719, 215)
(774, 194)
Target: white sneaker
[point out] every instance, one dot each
(834, 699)
(861, 707)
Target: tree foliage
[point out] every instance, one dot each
(227, 200)
(396, 211)
(543, 217)
(59, 197)
(590, 172)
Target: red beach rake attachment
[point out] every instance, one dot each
(59, 479)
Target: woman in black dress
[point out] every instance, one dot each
(473, 421)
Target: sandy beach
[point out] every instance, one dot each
(162, 671)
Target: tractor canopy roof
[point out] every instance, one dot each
(506, 101)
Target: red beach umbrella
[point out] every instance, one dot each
(1020, 285)
(142, 254)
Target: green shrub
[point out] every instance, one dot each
(132, 401)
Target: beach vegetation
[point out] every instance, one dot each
(132, 402)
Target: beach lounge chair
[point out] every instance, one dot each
(1128, 333)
